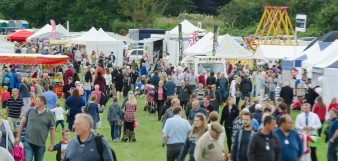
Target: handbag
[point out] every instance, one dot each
(103, 99)
(119, 122)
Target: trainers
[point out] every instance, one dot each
(114, 140)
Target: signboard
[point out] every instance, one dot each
(301, 23)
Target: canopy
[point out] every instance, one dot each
(314, 50)
(328, 37)
(326, 54)
(19, 36)
(33, 59)
(202, 46)
(278, 52)
(187, 28)
(47, 30)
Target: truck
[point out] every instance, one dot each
(140, 34)
(205, 64)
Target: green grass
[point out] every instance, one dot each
(148, 135)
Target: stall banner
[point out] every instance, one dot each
(33, 59)
(52, 22)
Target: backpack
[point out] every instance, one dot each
(7, 79)
(99, 147)
(103, 99)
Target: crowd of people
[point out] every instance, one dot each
(249, 107)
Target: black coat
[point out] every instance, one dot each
(211, 80)
(246, 85)
(164, 94)
(287, 94)
(227, 117)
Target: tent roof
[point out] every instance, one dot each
(47, 29)
(103, 36)
(93, 36)
(278, 52)
(19, 36)
(328, 37)
(329, 60)
(230, 48)
(325, 57)
(187, 28)
(202, 46)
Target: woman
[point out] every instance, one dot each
(319, 108)
(209, 92)
(100, 81)
(199, 127)
(160, 97)
(246, 103)
(211, 79)
(74, 105)
(167, 104)
(163, 75)
(7, 135)
(238, 93)
(87, 85)
(119, 84)
(37, 87)
(229, 114)
(114, 118)
(76, 77)
(108, 79)
(333, 104)
(93, 58)
(233, 88)
(24, 91)
(92, 109)
(129, 117)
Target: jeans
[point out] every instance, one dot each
(35, 151)
(132, 87)
(228, 132)
(173, 151)
(159, 104)
(332, 151)
(114, 130)
(86, 95)
(62, 122)
(320, 129)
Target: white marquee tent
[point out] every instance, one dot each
(47, 29)
(99, 41)
(188, 29)
(278, 52)
(330, 51)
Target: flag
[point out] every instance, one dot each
(193, 39)
(52, 22)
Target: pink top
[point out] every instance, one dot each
(5, 95)
(160, 94)
(98, 96)
(81, 92)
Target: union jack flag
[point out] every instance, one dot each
(193, 39)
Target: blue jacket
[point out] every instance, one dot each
(74, 152)
(192, 114)
(143, 71)
(170, 86)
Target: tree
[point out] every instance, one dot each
(327, 18)
(175, 7)
(209, 7)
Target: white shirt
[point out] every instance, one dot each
(108, 78)
(58, 113)
(313, 122)
(5, 155)
(177, 79)
(233, 88)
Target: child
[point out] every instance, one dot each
(17, 152)
(277, 90)
(150, 91)
(4, 96)
(61, 146)
(298, 104)
(59, 112)
(306, 147)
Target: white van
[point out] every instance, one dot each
(205, 63)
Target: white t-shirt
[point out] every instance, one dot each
(58, 113)
(108, 78)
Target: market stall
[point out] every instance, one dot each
(19, 36)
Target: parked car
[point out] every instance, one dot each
(135, 54)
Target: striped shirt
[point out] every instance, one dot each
(200, 94)
(130, 112)
(277, 92)
(14, 107)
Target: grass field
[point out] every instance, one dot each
(148, 135)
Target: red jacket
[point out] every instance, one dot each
(201, 79)
(333, 105)
(69, 73)
(319, 111)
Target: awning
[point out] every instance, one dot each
(19, 36)
(33, 59)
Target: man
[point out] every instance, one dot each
(207, 106)
(133, 79)
(83, 147)
(258, 114)
(213, 117)
(208, 147)
(333, 136)
(290, 142)
(15, 76)
(14, 109)
(264, 145)
(51, 97)
(189, 105)
(155, 79)
(287, 94)
(200, 92)
(184, 93)
(170, 86)
(177, 77)
(223, 87)
(39, 121)
(126, 80)
(69, 73)
(281, 111)
(272, 81)
(175, 132)
(245, 87)
(192, 80)
(196, 109)
(211, 79)
(169, 112)
(45, 82)
(240, 147)
(310, 120)
(201, 78)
